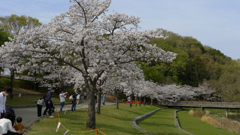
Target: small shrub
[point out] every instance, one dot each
(211, 121)
(207, 113)
(198, 114)
(5, 82)
(232, 126)
(191, 112)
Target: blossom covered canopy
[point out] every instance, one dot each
(88, 40)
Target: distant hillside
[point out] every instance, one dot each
(194, 64)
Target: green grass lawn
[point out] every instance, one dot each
(161, 123)
(29, 100)
(195, 126)
(111, 121)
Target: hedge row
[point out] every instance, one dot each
(6, 82)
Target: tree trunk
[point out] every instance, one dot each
(135, 100)
(1, 71)
(131, 100)
(99, 101)
(91, 120)
(144, 101)
(140, 100)
(62, 88)
(12, 80)
(36, 86)
(151, 102)
(117, 101)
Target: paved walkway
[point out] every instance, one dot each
(29, 115)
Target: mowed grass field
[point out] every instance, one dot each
(114, 121)
(195, 126)
(161, 123)
(111, 121)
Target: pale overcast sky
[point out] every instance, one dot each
(215, 23)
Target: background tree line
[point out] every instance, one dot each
(195, 63)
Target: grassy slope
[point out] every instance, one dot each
(195, 126)
(111, 121)
(161, 123)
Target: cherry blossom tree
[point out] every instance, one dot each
(9, 63)
(113, 85)
(205, 90)
(174, 93)
(89, 41)
(116, 82)
(146, 89)
(60, 78)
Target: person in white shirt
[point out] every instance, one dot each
(128, 99)
(62, 97)
(3, 99)
(6, 126)
(40, 103)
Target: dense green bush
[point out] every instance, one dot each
(4, 82)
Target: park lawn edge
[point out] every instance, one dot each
(110, 121)
(196, 126)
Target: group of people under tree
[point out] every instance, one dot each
(74, 99)
(7, 117)
(47, 100)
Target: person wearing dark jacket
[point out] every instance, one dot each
(48, 103)
(74, 95)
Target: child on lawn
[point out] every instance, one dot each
(19, 125)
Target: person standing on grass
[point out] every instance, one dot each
(40, 103)
(128, 99)
(62, 97)
(74, 96)
(48, 103)
(3, 99)
(85, 95)
(78, 97)
(104, 98)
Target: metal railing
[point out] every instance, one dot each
(204, 104)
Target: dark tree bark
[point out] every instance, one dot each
(144, 101)
(12, 80)
(135, 100)
(117, 101)
(36, 86)
(62, 87)
(99, 101)
(91, 120)
(1, 71)
(151, 102)
(131, 100)
(140, 100)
